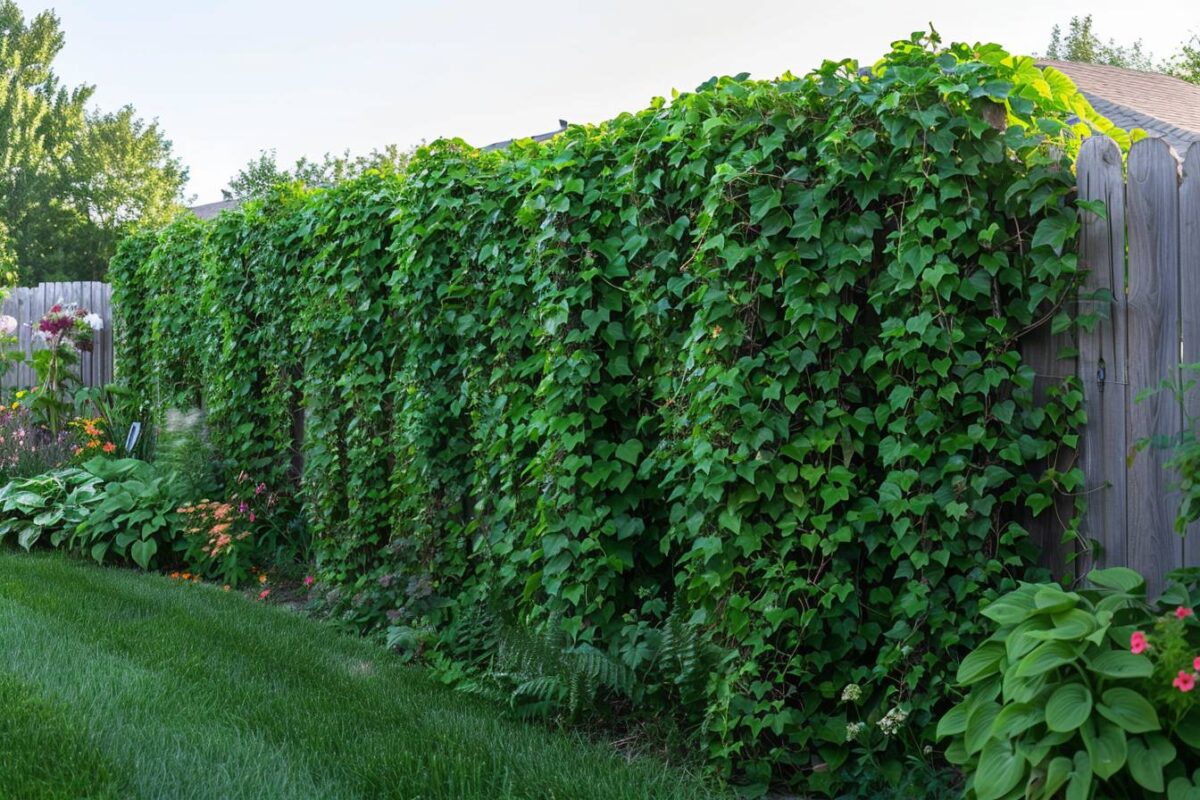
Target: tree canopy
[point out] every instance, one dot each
(1082, 43)
(260, 175)
(73, 179)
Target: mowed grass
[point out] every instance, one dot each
(115, 684)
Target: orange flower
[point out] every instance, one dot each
(109, 447)
(262, 578)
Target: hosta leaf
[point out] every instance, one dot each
(1146, 762)
(1057, 774)
(1000, 770)
(1071, 625)
(1106, 748)
(954, 721)
(980, 663)
(1121, 664)
(142, 551)
(1068, 707)
(1121, 579)
(1130, 710)
(1015, 719)
(1080, 785)
(1045, 657)
(979, 725)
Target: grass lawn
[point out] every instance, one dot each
(115, 684)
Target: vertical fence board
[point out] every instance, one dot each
(1102, 352)
(1153, 328)
(27, 305)
(1189, 303)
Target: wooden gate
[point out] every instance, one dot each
(1143, 266)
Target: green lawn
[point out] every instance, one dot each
(115, 684)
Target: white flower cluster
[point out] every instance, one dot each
(892, 720)
(94, 321)
(852, 693)
(8, 325)
(853, 729)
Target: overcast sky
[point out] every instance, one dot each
(228, 78)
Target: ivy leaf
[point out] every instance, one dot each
(630, 451)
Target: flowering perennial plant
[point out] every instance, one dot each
(93, 440)
(68, 326)
(226, 536)
(66, 331)
(28, 449)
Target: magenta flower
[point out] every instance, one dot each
(1138, 643)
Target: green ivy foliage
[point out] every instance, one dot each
(750, 356)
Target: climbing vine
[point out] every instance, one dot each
(746, 361)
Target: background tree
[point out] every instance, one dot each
(1082, 43)
(73, 181)
(262, 173)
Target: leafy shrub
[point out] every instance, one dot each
(753, 353)
(50, 505)
(1086, 692)
(136, 518)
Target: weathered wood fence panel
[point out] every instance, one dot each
(1189, 304)
(27, 305)
(1143, 263)
(1101, 177)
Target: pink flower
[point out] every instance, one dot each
(1184, 681)
(252, 516)
(262, 487)
(242, 507)
(1138, 643)
(263, 596)
(1196, 663)
(308, 581)
(1183, 612)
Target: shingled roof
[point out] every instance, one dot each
(539, 137)
(1164, 107)
(210, 210)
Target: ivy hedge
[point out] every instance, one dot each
(747, 359)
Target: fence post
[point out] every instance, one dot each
(1189, 294)
(1103, 357)
(1153, 547)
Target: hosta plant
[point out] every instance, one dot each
(1082, 694)
(136, 518)
(49, 505)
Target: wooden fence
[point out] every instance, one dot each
(28, 305)
(1143, 266)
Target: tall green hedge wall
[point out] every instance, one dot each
(750, 356)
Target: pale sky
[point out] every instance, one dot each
(228, 78)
